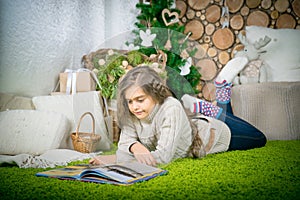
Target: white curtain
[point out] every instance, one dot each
(41, 38)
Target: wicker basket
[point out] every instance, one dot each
(85, 142)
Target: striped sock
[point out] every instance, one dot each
(207, 109)
(223, 92)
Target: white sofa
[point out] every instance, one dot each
(272, 107)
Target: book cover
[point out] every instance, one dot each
(117, 174)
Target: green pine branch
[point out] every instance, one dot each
(151, 17)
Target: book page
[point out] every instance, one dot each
(67, 172)
(122, 172)
(106, 173)
(141, 168)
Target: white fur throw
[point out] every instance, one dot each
(51, 158)
(31, 132)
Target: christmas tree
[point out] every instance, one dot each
(159, 33)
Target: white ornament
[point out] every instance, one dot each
(185, 70)
(101, 62)
(225, 16)
(110, 52)
(147, 38)
(131, 47)
(125, 63)
(155, 65)
(96, 71)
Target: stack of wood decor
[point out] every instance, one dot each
(216, 42)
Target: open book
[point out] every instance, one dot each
(118, 174)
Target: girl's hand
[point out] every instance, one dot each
(103, 159)
(142, 154)
(95, 161)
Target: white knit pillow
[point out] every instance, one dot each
(31, 131)
(282, 52)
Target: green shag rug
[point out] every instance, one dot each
(271, 172)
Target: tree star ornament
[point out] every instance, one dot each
(185, 70)
(147, 38)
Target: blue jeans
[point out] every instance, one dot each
(243, 135)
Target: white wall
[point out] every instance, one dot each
(41, 38)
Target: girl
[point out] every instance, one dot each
(155, 127)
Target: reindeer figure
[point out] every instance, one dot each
(275, 52)
(252, 52)
(236, 65)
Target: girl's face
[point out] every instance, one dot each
(139, 103)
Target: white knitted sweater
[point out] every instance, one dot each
(168, 135)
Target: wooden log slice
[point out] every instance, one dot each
(296, 7)
(281, 5)
(213, 13)
(210, 29)
(207, 68)
(245, 11)
(202, 17)
(223, 38)
(181, 5)
(212, 52)
(201, 51)
(205, 46)
(237, 48)
(196, 28)
(206, 39)
(190, 14)
(223, 57)
(274, 14)
(243, 32)
(199, 86)
(237, 22)
(258, 18)
(286, 21)
(234, 5)
(209, 91)
(266, 4)
(252, 3)
(198, 5)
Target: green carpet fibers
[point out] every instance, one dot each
(271, 172)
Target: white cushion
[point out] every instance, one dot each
(31, 131)
(73, 107)
(282, 57)
(13, 102)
